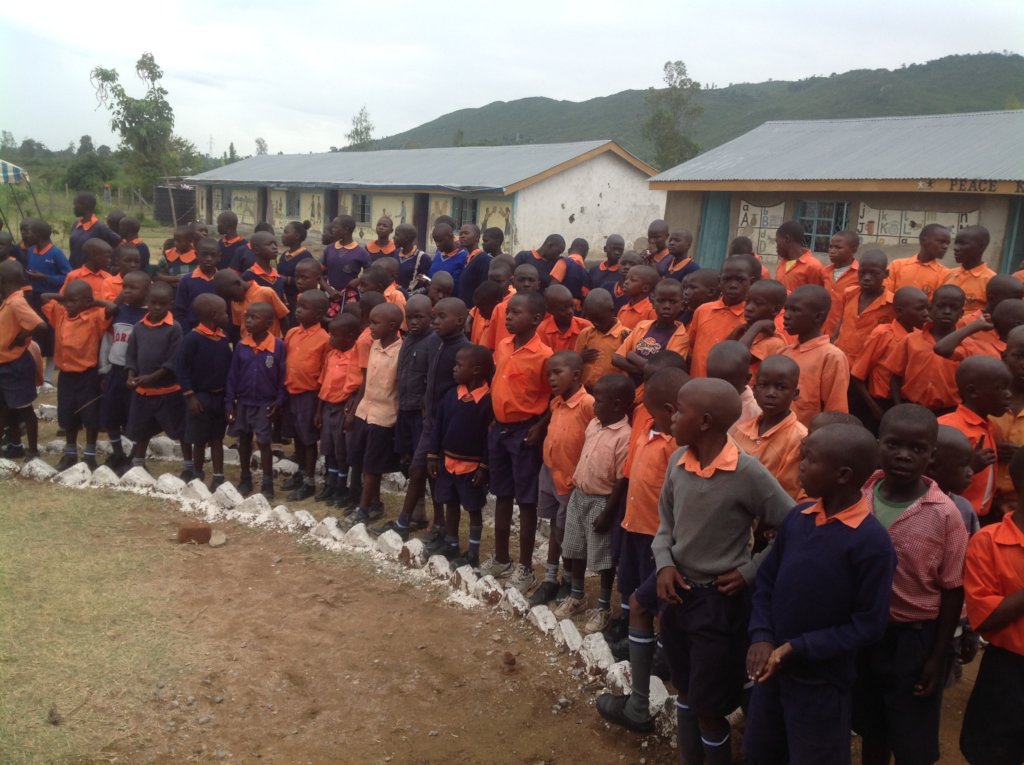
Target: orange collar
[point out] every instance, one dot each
(294, 253)
(136, 240)
(233, 240)
(173, 255)
(270, 275)
(205, 331)
(978, 270)
(673, 267)
(574, 400)
(373, 248)
(406, 256)
(168, 319)
(85, 225)
(727, 459)
(605, 267)
(449, 255)
(466, 395)
(536, 255)
(267, 344)
(350, 246)
(46, 249)
(851, 516)
(198, 274)
(660, 255)
(473, 254)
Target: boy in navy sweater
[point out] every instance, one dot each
(199, 282)
(202, 366)
(156, 402)
(821, 594)
(255, 393)
(117, 395)
(234, 250)
(457, 458)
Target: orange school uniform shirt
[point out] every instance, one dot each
(564, 440)
(836, 290)
(604, 453)
(857, 325)
(102, 283)
(520, 390)
(868, 364)
(632, 314)
(824, 378)
(379, 404)
(982, 487)
(994, 569)
(305, 348)
(258, 294)
(646, 465)
(1009, 429)
(988, 342)
(16, 316)
(497, 328)
(764, 347)
(806, 269)
(711, 323)
(927, 378)
(76, 338)
(555, 339)
(341, 376)
(973, 282)
(606, 343)
(479, 328)
(912, 272)
(778, 449)
(394, 295)
(678, 342)
(362, 348)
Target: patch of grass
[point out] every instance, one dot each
(82, 637)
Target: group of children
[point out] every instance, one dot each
(780, 474)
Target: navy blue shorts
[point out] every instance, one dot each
(379, 455)
(211, 424)
(45, 339)
(419, 454)
(793, 721)
(18, 382)
(459, 490)
(117, 398)
(151, 415)
(647, 594)
(78, 395)
(299, 411)
(252, 420)
(992, 732)
(884, 704)
(355, 444)
(514, 466)
(332, 433)
(705, 641)
(636, 563)
(408, 430)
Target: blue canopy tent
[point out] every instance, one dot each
(11, 175)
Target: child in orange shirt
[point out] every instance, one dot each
(96, 270)
(485, 299)
(869, 378)
(765, 299)
(561, 327)
(651, 336)
(79, 322)
(797, 264)
(240, 295)
(864, 306)
(776, 435)
(598, 343)
(629, 259)
(824, 369)
(520, 394)
(18, 324)
(570, 411)
(699, 287)
(840, 274)
(1009, 427)
(923, 270)
(716, 321)
(918, 374)
(306, 347)
(377, 278)
(973, 274)
(638, 285)
(340, 381)
(525, 278)
(984, 387)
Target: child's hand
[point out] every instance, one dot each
(195, 406)
(603, 522)
(1005, 452)
(670, 581)
(983, 456)
(590, 355)
(983, 324)
(731, 583)
(763, 327)
(318, 420)
(480, 476)
(350, 420)
(35, 275)
(229, 414)
(273, 411)
(969, 643)
(757, 657)
(932, 675)
(132, 382)
(535, 435)
(433, 467)
(774, 660)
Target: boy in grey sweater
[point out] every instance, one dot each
(711, 497)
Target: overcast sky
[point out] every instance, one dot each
(296, 71)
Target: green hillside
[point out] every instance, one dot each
(981, 82)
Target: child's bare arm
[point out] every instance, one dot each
(1009, 610)
(947, 346)
(624, 363)
(896, 389)
(862, 390)
(764, 327)
(56, 297)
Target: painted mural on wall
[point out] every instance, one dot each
(888, 228)
(243, 204)
(311, 205)
(759, 223)
(495, 213)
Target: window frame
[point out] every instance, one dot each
(362, 203)
(815, 215)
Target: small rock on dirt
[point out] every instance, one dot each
(218, 538)
(138, 478)
(104, 477)
(75, 476)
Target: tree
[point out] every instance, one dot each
(232, 154)
(88, 172)
(145, 124)
(261, 147)
(7, 142)
(85, 145)
(361, 135)
(671, 113)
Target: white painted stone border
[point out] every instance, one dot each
(404, 562)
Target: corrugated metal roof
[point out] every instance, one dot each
(986, 145)
(464, 168)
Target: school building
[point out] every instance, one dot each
(590, 189)
(884, 177)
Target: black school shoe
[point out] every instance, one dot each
(14, 451)
(187, 474)
(612, 708)
(244, 486)
(402, 531)
(617, 630)
(301, 492)
(68, 460)
(217, 481)
(544, 594)
(467, 559)
(326, 494)
(293, 482)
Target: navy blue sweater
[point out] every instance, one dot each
(188, 289)
(237, 252)
(256, 377)
(576, 277)
(413, 365)
(825, 590)
(473, 275)
(203, 363)
(153, 348)
(459, 428)
(441, 354)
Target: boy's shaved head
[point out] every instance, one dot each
(949, 290)
(162, 289)
(453, 306)
(369, 300)
(781, 365)
(598, 300)
(742, 244)
(729, 360)
(1008, 315)
(914, 415)
(646, 273)
(263, 309)
(769, 289)
(714, 397)
(976, 370)
(570, 359)
(443, 280)
(12, 273)
(141, 277)
(558, 292)
(420, 302)
(664, 360)
(663, 386)
(78, 288)
(905, 296)
(526, 268)
(618, 387)
(821, 419)
(225, 279)
(658, 226)
(705, 277)
(93, 246)
(1000, 287)
(479, 355)
(753, 264)
(309, 264)
(344, 321)
(316, 300)
(390, 312)
(848, 446)
(877, 258)
(206, 304)
(952, 440)
(534, 302)
(851, 237)
(816, 297)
